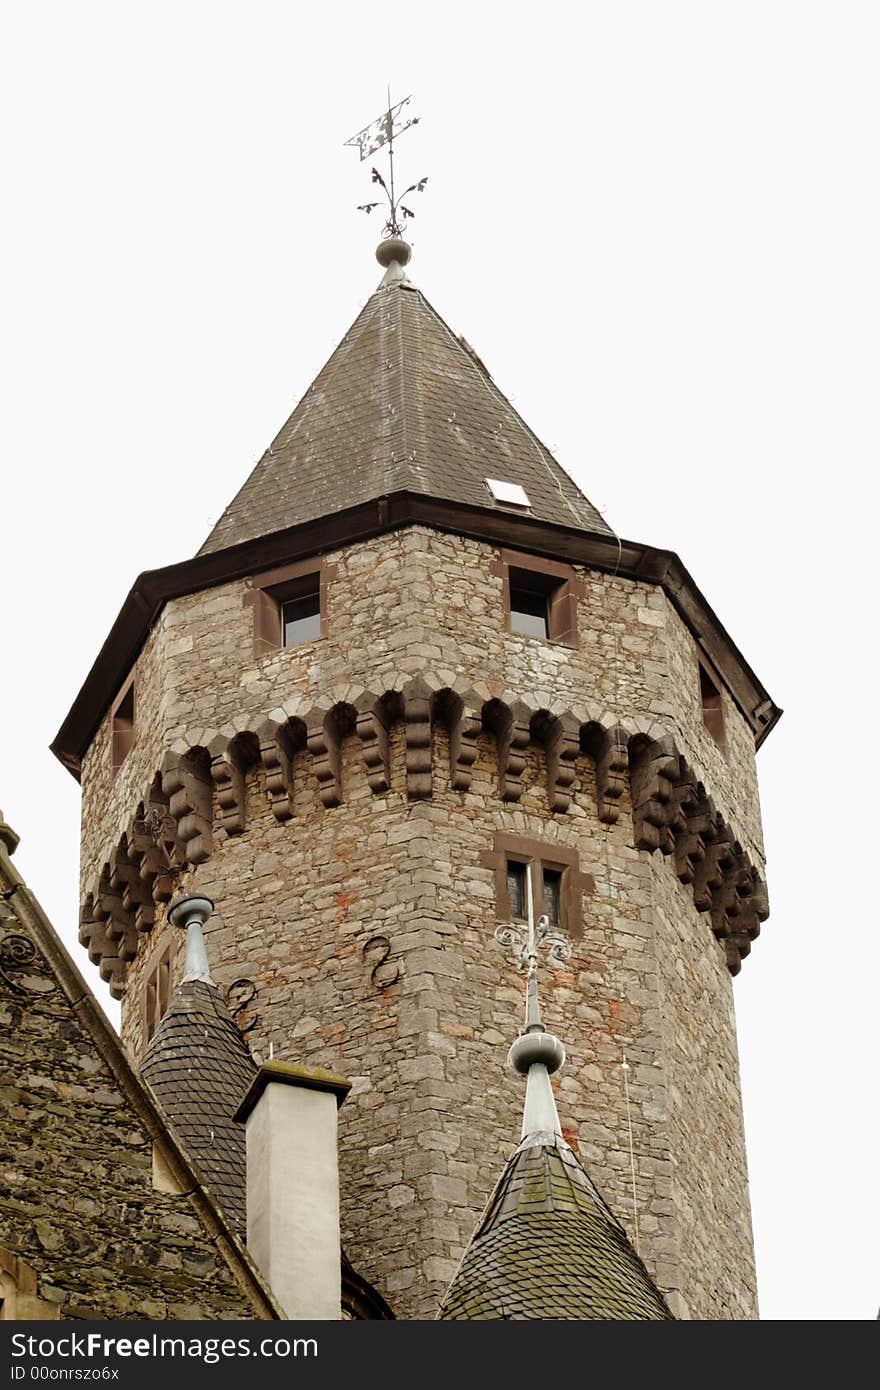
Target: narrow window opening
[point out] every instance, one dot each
(516, 890)
(290, 605)
(157, 994)
(541, 604)
(123, 727)
(553, 896)
(710, 699)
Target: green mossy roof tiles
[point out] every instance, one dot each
(549, 1247)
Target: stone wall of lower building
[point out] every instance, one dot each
(79, 1212)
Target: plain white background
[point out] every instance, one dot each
(658, 225)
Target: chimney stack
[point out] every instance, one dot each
(293, 1185)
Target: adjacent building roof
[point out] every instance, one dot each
(103, 1211)
(200, 1068)
(549, 1247)
(403, 405)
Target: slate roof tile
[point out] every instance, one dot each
(401, 405)
(199, 1067)
(549, 1247)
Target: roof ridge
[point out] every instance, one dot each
(544, 454)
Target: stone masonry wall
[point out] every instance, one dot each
(367, 927)
(78, 1207)
(711, 1197)
(399, 604)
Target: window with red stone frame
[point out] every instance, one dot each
(290, 605)
(557, 884)
(539, 597)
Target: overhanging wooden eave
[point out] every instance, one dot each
(153, 589)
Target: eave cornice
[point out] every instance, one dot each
(152, 590)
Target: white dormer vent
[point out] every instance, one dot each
(510, 493)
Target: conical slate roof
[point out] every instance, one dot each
(403, 405)
(200, 1068)
(548, 1247)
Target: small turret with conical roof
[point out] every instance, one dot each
(200, 1067)
(548, 1246)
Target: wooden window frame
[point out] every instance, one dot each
(123, 729)
(711, 701)
(270, 590)
(541, 855)
(561, 584)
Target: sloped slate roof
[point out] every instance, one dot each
(401, 405)
(199, 1066)
(79, 1215)
(549, 1247)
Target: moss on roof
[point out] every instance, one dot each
(547, 1247)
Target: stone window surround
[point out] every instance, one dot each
(19, 1299)
(540, 854)
(562, 595)
(711, 701)
(123, 732)
(270, 590)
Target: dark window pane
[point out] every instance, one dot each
(552, 886)
(528, 613)
(516, 890)
(301, 619)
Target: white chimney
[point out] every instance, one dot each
(293, 1186)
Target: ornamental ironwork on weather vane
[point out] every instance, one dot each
(527, 936)
(381, 133)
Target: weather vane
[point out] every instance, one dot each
(373, 137)
(527, 936)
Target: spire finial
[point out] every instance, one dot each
(380, 133)
(191, 912)
(535, 1054)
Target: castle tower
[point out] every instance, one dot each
(412, 679)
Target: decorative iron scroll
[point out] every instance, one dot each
(519, 935)
(239, 995)
(18, 953)
(380, 943)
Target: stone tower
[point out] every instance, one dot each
(411, 678)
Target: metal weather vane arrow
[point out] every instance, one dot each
(378, 135)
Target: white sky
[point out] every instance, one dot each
(658, 223)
